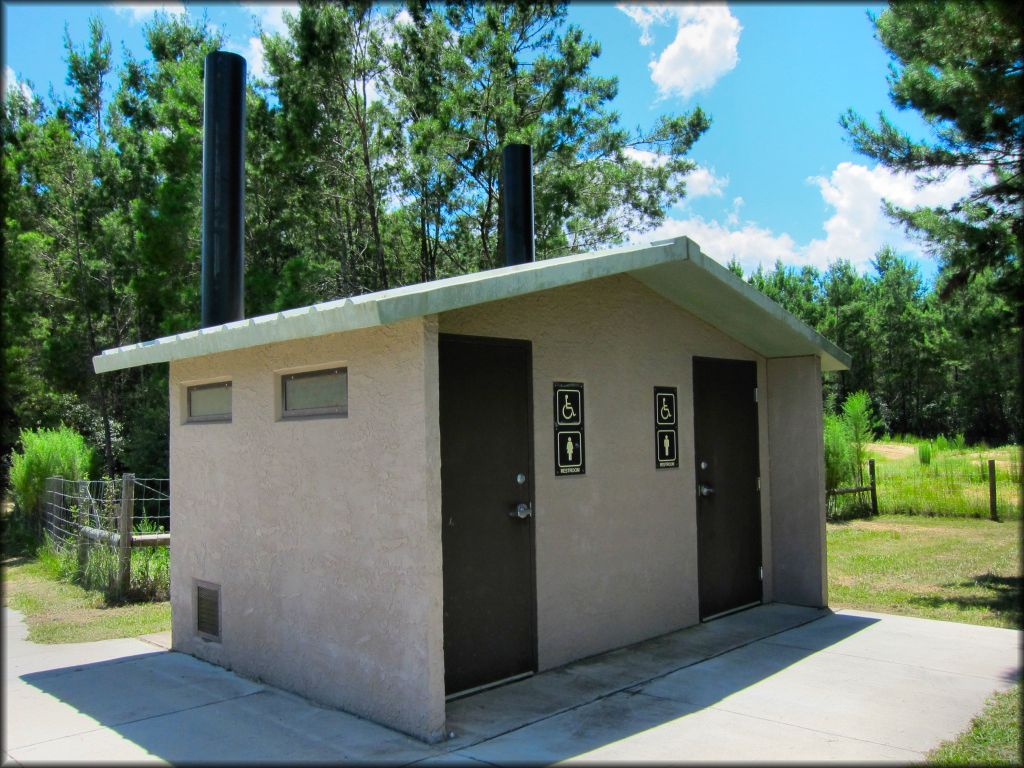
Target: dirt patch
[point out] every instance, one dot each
(891, 450)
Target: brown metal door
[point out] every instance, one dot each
(728, 495)
(486, 503)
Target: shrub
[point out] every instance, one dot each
(839, 455)
(959, 442)
(924, 453)
(860, 427)
(45, 453)
(941, 444)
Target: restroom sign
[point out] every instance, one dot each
(666, 427)
(570, 443)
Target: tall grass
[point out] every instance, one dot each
(924, 453)
(950, 483)
(150, 569)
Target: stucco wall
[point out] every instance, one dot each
(798, 480)
(616, 548)
(324, 534)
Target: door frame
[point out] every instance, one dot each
(527, 346)
(760, 499)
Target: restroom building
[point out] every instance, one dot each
(386, 500)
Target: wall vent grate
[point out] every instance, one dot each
(208, 611)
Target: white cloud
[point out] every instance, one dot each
(11, 81)
(750, 244)
(139, 12)
(703, 50)
(645, 16)
(733, 217)
(703, 182)
(271, 17)
(646, 157)
(257, 63)
(856, 229)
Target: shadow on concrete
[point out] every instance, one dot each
(588, 704)
(181, 709)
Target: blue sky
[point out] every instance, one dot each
(777, 180)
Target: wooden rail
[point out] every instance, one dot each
(872, 487)
(135, 539)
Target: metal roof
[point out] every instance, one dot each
(675, 269)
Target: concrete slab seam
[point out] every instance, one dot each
(631, 688)
(454, 752)
(788, 724)
(890, 661)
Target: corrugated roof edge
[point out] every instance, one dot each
(437, 296)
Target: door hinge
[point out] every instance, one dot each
(755, 394)
(760, 573)
(759, 485)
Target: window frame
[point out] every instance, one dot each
(213, 418)
(332, 411)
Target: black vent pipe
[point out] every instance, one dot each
(517, 203)
(222, 287)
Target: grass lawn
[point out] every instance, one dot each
(992, 739)
(59, 612)
(952, 569)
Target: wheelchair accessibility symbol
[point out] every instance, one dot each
(568, 406)
(666, 408)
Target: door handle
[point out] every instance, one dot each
(705, 490)
(522, 511)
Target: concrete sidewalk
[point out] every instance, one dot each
(775, 683)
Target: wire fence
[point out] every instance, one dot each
(951, 484)
(112, 535)
(954, 485)
(70, 505)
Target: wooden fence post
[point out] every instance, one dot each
(124, 528)
(47, 504)
(83, 541)
(874, 489)
(992, 509)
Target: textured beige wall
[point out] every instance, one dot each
(324, 534)
(616, 548)
(798, 480)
